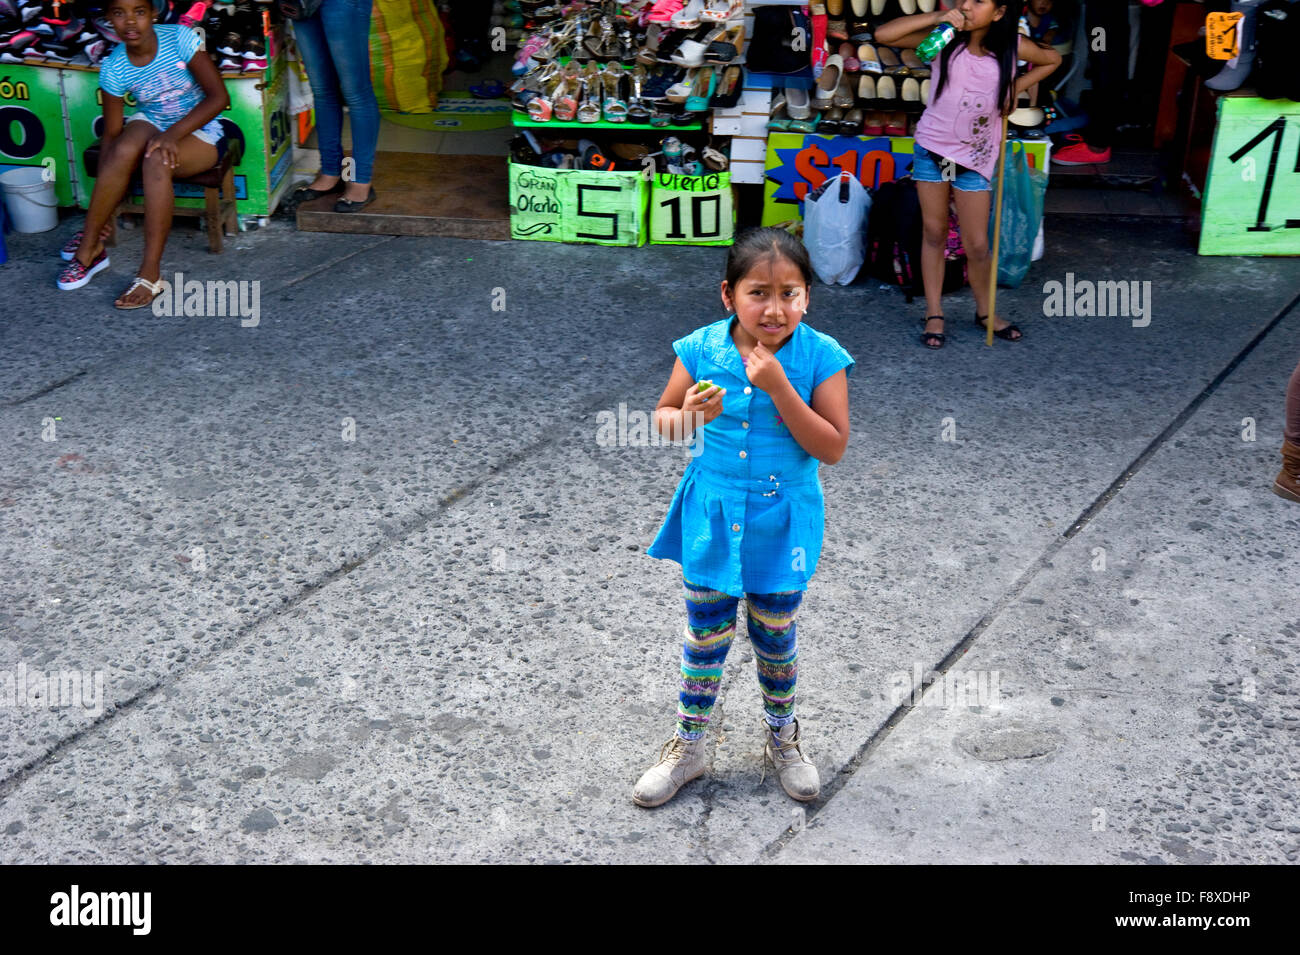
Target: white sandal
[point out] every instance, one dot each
(155, 289)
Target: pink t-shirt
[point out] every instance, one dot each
(963, 123)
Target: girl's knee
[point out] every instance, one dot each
(977, 247)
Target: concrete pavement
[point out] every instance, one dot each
(362, 584)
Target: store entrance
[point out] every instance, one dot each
(440, 171)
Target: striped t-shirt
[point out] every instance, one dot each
(165, 89)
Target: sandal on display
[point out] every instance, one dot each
(720, 11)
(932, 339)
(589, 108)
(637, 110)
(727, 47)
(689, 16)
(1010, 333)
(155, 289)
(614, 105)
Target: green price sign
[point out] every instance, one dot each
(570, 205)
(692, 210)
(1252, 193)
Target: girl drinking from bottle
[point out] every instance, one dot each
(956, 143)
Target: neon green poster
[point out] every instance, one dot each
(691, 210)
(31, 125)
(1252, 192)
(571, 205)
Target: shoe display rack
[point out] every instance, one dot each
(612, 179)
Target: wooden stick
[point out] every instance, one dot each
(997, 230)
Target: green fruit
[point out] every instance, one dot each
(704, 385)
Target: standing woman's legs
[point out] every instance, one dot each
(776, 653)
(973, 220)
(933, 197)
(347, 32)
(710, 626)
(309, 35)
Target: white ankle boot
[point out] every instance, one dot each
(680, 761)
(798, 774)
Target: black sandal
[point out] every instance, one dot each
(1004, 333)
(938, 337)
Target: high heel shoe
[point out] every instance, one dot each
(729, 89)
(1010, 333)
(614, 106)
(589, 109)
(637, 110)
(706, 81)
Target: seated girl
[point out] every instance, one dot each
(175, 133)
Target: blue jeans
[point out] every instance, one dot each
(925, 168)
(335, 49)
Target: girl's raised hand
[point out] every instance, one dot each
(706, 404)
(764, 370)
(955, 17)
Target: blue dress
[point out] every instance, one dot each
(749, 515)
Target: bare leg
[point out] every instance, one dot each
(159, 201)
(973, 220)
(115, 168)
(933, 197)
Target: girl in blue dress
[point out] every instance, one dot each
(747, 517)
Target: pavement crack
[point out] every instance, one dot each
(53, 386)
(420, 520)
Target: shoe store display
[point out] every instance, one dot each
(77, 31)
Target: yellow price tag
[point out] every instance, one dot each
(1221, 35)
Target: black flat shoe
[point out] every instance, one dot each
(345, 205)
(1011, 333)
(307, 195)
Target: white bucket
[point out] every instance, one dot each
(30, 199)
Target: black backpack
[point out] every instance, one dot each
(894, 241)
(1277, 37)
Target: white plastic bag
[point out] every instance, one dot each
(834, 228)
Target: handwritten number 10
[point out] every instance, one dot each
(1278, 127)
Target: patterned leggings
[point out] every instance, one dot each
(711, 624)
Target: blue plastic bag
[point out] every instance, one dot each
(1022, 212)
(835, 227)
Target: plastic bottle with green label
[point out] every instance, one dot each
(939, 37)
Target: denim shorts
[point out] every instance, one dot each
(925, 168)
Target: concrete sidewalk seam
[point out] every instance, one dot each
(876, 739)
(14, 780)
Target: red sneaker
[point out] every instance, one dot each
(1079, 153)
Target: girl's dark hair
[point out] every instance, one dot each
(754, 245)
(1002, 40)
